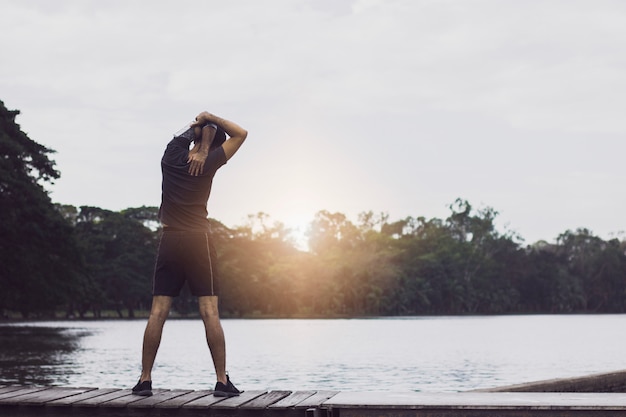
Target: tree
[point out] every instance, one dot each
(597, 266)
(38, 253)
(119, 255)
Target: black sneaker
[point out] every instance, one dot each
(143, 388)
(226, 390)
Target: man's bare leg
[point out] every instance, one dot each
(152, 336)
(214, 334)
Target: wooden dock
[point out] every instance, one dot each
(30, 401)
(110, 402)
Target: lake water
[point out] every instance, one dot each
(433, 354)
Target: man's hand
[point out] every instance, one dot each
(202, 118)
(196, 162)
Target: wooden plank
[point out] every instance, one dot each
(263, 401)
(371, 412)
(204, 401)
(478, 401)
(236, 402)
(42, 397)
(10, 388)
(7, 397)
(101, 399)
(317, 399)
(604, 382)
(129, 398)
(293, 400)
(149, 402)
(178, 402)
(80, 397)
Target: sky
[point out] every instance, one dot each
(397, 106)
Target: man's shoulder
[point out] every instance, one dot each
(176, 153)
(216, 158)
(219, 153)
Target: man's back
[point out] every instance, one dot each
(184, 196)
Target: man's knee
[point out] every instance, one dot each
(160, 307)
(207, 307)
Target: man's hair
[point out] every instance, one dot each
(219, 139)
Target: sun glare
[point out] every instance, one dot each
(297, 212)
(298, 226)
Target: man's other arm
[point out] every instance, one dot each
(200, 151)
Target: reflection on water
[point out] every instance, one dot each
(37, 355)
(432, 354)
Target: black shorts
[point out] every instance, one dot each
(185, 257)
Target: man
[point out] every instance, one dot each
(185, 251)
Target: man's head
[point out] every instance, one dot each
(219, 139)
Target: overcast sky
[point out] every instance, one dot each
(390, 106)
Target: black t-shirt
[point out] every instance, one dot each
(184, 197)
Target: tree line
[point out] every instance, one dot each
(83, 261)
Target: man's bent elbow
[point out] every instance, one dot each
(240, 137)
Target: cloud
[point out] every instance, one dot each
(395, 105)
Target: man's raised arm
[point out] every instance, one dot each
(236, 133)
